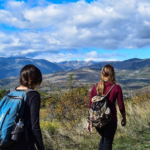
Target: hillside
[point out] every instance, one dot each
(128, 79)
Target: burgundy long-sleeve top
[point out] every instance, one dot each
(115, 94)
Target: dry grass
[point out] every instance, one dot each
(137, 118)
(135, 135)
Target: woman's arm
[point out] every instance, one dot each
(121, 106)
(34, 116)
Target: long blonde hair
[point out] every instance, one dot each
(107, 75)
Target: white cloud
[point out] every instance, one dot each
(54, 27)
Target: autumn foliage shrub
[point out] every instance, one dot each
(68, 101)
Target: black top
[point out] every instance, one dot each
(31, 112)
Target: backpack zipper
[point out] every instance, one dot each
(7, 113)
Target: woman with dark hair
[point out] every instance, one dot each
(30, 78)
(107, 81)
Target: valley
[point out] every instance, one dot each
(130, 80)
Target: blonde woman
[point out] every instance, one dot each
(107, 80)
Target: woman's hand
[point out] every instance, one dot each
(89, 127)
(123, 122)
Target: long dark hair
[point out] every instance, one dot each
(30, 76)
(107, 75)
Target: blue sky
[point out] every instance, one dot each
(57, 30)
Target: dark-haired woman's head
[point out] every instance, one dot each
(30, 76)
(107, 75)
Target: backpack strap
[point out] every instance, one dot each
(110, 90)
(25, 91)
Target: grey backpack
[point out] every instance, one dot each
(100, 114)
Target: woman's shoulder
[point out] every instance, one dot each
(33, 94)
(118, 87)
(33, 97)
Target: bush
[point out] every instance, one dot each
(51, 127)
(68, 102)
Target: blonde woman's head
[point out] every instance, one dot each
(107, 75)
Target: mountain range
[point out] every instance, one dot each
(130, 64)
(10, 67)
(132, 74)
